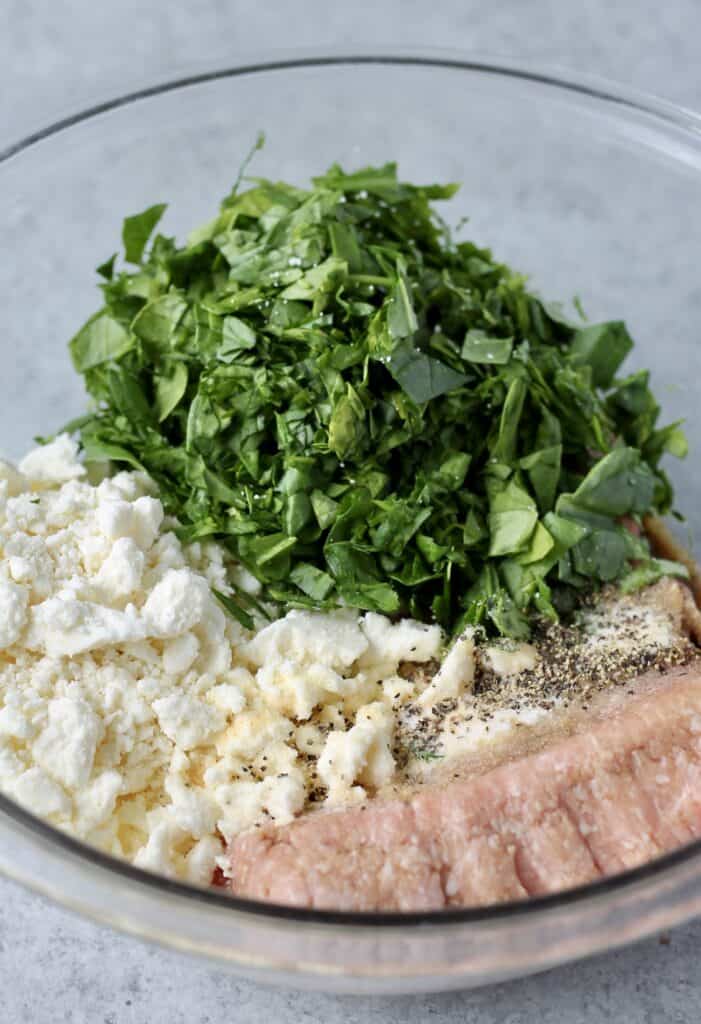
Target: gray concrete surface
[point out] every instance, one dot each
(56, 57)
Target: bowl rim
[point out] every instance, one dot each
(573, 83)
(596, 87)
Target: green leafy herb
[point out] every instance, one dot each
(425, 755)
(421, 377)
(106, 269)
(480, 347)
(138, 229)
(602, 347)
(650, 571)
(101, 339)
(364, 410)
(234, 609)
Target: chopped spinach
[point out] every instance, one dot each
(364, 410)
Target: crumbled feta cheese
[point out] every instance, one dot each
(14, 723)
(40, 794)
(251, 732)
(13, 611)
(201, 861)
(509, 661)
(295, 689)
(188, 721)
(228, 697)
(63, 625)
(120, 574)
(363, 754)
(179, 653)
(456, 674)
(309, 739)
(334, 639)
(193, 810)
(395, 642)
(176, 603)
(246, 803)
(54, 463)
(95, 803)
(157, 854)
(29, 561)
(140, 520)
(14, 482)
(65, 749)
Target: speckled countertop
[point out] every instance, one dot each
(56, 58)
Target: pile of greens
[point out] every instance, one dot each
(362, 409)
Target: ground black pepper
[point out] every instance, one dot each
(574, 663)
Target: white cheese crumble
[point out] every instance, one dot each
(139, 717)
(456, 674)
(511, 659)
(53, 463)
(363, 753)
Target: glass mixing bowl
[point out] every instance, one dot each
(588, 187)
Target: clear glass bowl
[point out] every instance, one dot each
(589, 188)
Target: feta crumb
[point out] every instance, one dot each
(53, 463)
(509, 661)
(180, 653)
(394, 642)
(201, 861)
(96, 802)
(158, 853)
(29, 561)
(13, 611)
(334, 639)
(176, 603)
(362, 754)
(14, 723)
(63, 625)
(188, 721)
(14, 482)
(295, 689)
(120, 574)
(40, 794)
(140, 520)
(456, 674)
(228, 697)
(65, 749)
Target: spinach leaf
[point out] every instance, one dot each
(106, 269)
(603, 347)
(237, 337)
(507, 438)
(100, 340)
(480, 347)
(171, 384)
(619, 484)
(347, 424)
(650, 571)
(420, 376)
(313, 582)
(513, 516)
(234, 609)
(543, 467)
(137, 230)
